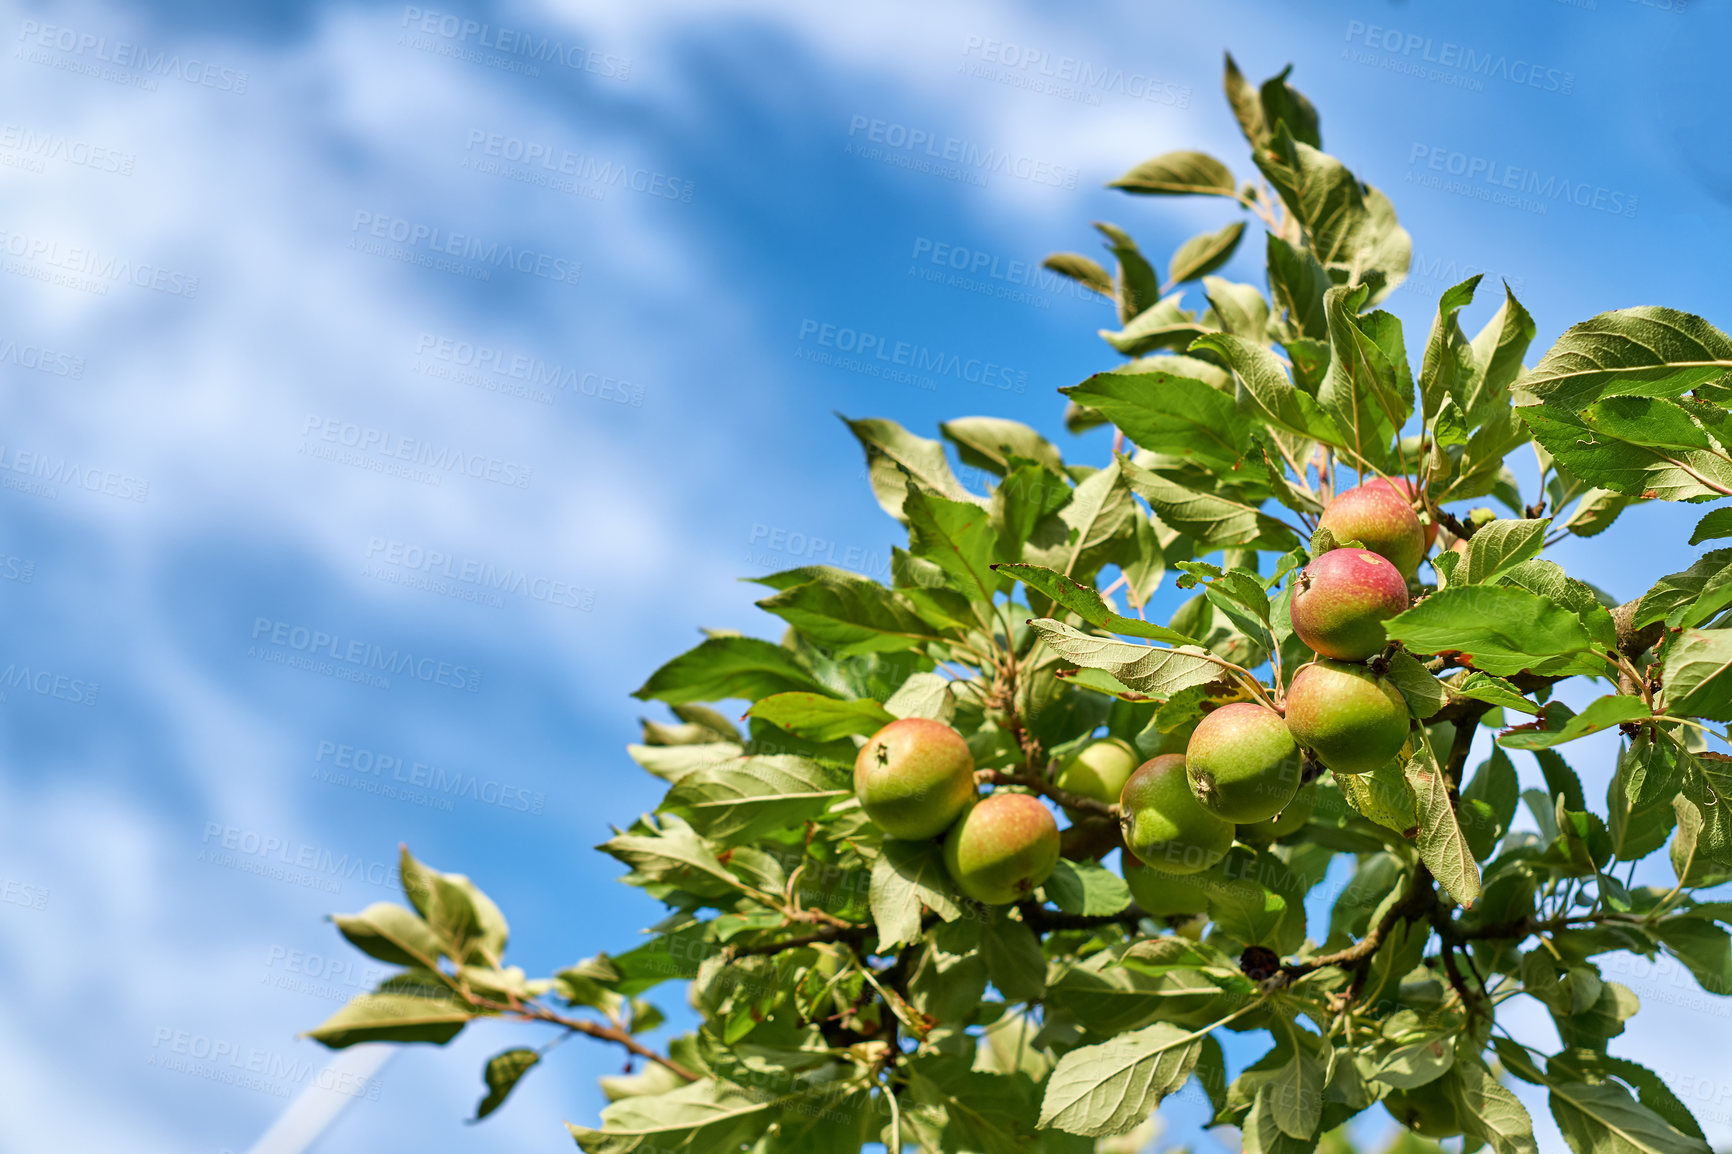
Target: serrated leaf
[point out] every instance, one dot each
(1711, 573)
(907, 878)
(923, 695)
(1496, 628)
(1604, 1119)
(990, 442)
(1448, 354)
(1646, 351)
(738, 801)
(1203, 254)
(1087, 888)
(431, 1014)
(1488, 1110)
(1170, 414)
(1495, 786)
(851, 614)
(1477, 686)
(1149, 669)
(502, 1074)
(1179, 173)
(1603, 444)
(894, 457)
(1695, 674)
(1013, 959)
(1424, 693)
(1163, 325)
(1716, 524)
(956, 536)
(1602, 713)
(729, 667)
(819, 718)
(1139, 285)
(1499, 546)
(1099, 514)
(1210, 519)
(1442, 846)
(391, 933)
(1110, 1087)
(702, 1117)
(1086, 602)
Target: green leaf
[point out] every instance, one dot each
(1442, 846)
(1295, 1093)
(1495, 786)
(1716, 524)
(1604, 1119)
(1695, 675)
(923, 695)
(1283, 404)
(671, 851)
(1179, 173)
(1703, 947)
(1099, 515)
(1424, 694)
(1605, 445)
(470, 927)
(431, 1014)
(1170, 414)
(702, 1117)
(729, 667)
(1248, 912)
(1247, 105)
(1487, 1110)
(1238, 308)
(1208, 518)
(740, 800)
(503, 1071)
(1448, 355)
(1139, 285)
(1086, 602)
(1602, 713)
(907, 879)
(391, 933)
(1087, 888)
(1498, 349)
(1204, 253)
(1366, 389)
(1496, 628)
(819, 718)
(1014, 962)
(1149, 669)
(1711, 573)
(1639, 799)
(851, 614)
(1495, 691)
(1163, 325)
(1082, 270)
(1110, 1087)
(1499, 546)
(1644, 352)
(956, 536)
(894, 457)
(990, 442)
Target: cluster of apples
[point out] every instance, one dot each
(1240, 777)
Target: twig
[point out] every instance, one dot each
(1064, 797)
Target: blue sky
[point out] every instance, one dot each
(212, 339)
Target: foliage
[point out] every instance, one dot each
(848, 994)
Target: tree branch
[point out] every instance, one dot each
(533, 1012)
(1064, 797)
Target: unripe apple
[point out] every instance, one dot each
(1290, 820)
(1379, 518)
(1425, 1110)
(1242, 763)
(913, 777)
(1405, 488)
(1164, 825)
(1003, 847)
(1352, 719)
(1098, 770)
(1161, 894)
(1342, 599)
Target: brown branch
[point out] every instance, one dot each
(1042, 920)
(847, 932)
(531, 1012)
(1064, 797)
(1419, 900)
